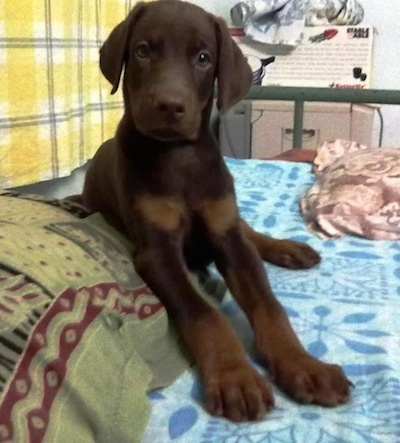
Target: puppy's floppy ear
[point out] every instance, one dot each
(233, 72)
(113, 53)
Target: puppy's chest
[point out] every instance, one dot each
(189, 177)
(191, 194)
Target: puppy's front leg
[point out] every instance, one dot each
(294, 370)
(286, 253)
(233, 388)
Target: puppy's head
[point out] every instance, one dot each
(172, 52)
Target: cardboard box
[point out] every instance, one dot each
(329, 56)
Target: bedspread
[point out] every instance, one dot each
(346, 310)
(85, 364)
(82, 338)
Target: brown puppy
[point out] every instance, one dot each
(163, 182)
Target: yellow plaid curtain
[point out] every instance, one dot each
(55, 106)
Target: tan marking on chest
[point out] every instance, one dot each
(220, 215)
(165, 213)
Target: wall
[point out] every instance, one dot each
(384, 15)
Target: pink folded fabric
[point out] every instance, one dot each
(357, 192)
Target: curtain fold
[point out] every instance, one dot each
(55, 106)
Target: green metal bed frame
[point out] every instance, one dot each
(301, 95)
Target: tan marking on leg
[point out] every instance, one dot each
(221, 214)
(165, 213)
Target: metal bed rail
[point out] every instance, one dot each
(301, 95)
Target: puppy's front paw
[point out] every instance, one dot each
(308, 380)
(294, 255)
(238, 394)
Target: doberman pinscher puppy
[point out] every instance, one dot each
(162, 181)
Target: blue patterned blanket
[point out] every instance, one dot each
(346, 310)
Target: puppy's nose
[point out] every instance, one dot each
(171, 107)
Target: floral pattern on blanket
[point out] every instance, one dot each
(357, 192)
(345, 310)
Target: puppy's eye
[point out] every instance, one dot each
(203, 59)
(142, 50)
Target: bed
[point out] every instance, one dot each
(87, 353)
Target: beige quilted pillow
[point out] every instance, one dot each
(357, 192)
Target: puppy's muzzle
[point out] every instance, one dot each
(170, 108)
(167, 114)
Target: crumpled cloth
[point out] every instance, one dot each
(356, 192)
(281, 22)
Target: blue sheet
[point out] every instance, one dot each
(346, 310)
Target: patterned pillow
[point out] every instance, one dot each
(357, 192)
(71, 304)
